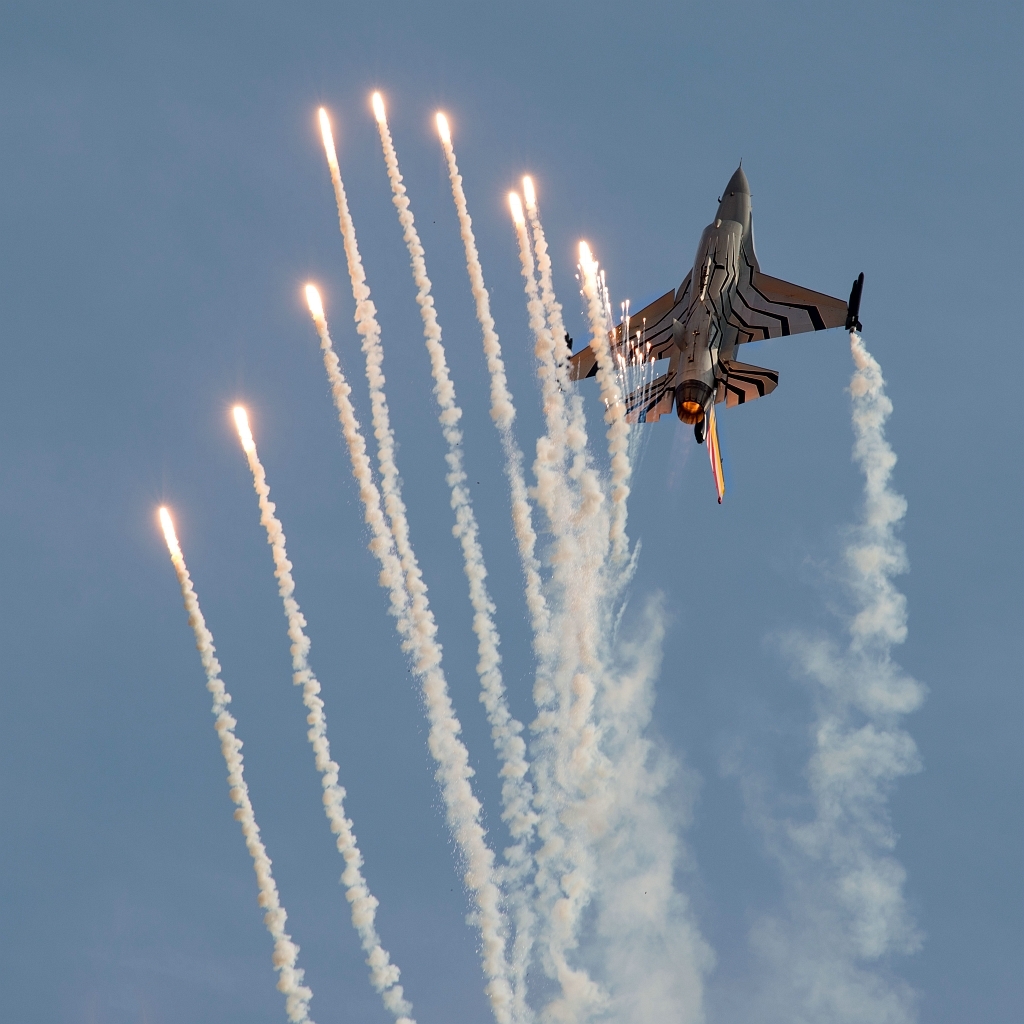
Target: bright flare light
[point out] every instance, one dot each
(316, 307)
(167, 526)
(528, 193)
(242, 425)
(587, 260)
(378, 106)
(443, 130)
(516, 206)
(328, 137)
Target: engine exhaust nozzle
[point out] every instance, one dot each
(691, 400)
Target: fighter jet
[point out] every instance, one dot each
(725, 301)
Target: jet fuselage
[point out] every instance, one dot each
(704, 336)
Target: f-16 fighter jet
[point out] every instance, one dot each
(723, 302)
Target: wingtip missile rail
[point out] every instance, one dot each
(853, 306)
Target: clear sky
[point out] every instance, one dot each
(163, 197)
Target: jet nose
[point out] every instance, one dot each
(735, 201)
(737, 184)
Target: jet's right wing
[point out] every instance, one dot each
(650, 334)
(768, 307)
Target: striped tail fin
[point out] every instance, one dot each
(715, 454)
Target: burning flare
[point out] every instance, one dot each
(244, 433)
(378, 108)
(528, 193)
(169, 535)
(516, 206)
(316, 306)
(443, 130)
(328, 137)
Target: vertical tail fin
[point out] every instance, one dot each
(715, 454)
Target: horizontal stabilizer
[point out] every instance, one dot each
(647, 404)
(744, 383)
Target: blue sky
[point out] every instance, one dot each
(163, 196)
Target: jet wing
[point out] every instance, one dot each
(654, 324)
(767, 307)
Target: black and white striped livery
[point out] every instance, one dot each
(724, 301)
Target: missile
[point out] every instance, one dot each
(853, 307)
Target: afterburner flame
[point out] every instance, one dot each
(378, 107)
(316, 307)
(167, 525)
(442, 128)
(242, 425)
(528, 193)
(691, 412)
(328, 137)
(516, 205)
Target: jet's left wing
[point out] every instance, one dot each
(650, 334)
(767, 307)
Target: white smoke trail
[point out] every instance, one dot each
(654, 957)
(583, 562)
(549, 467)
(552, 307)
(465, 520)
(417, 627)
(290, 978)
(845, 886)
(450, 415)
(517, 790)
(615, 409)
(624, 843)
(369, 331)
(502, 408)
(384, 975)
(566, 750)
(591, 496)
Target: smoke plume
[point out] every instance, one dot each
(847, 915)
(611, 395)
(517, 789)
(286, 952)
(384, 975)
(418, 629)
